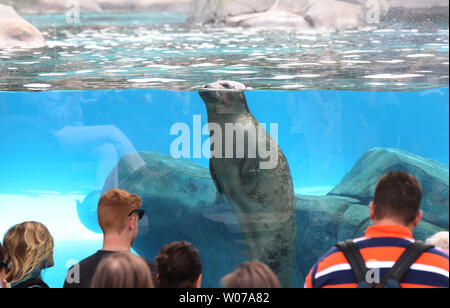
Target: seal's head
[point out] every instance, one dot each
(224, 96)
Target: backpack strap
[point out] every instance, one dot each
(406, 260)
(354, 258)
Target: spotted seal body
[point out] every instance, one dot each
(249, 168)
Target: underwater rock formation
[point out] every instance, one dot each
(17, 32)
(180, 199)
(360, 182)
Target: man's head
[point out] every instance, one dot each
(397, 199)
(117, 213)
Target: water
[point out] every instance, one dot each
(107, 51)
(108, 88)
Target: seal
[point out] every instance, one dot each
(249, 168)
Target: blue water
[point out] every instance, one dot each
(159, 51)
(57, 147)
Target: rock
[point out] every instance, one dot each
(418, 10)
(216, 11)
(301, 15)
(361, 181)
(334, 15)
(182, 204)
(270, 19)
(17, 32)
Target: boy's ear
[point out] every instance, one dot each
(131, 223)
(198, 283)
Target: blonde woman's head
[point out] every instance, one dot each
(122, 270)
(30, 249)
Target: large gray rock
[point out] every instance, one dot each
(334, 15)
(217, 11)
(273, 18)
(422, 10)
(361, 181)
(302, 15)
(321, 15)
(17, 32)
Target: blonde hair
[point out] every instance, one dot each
(122, 270)
(29, 245)
(252, 275)
(439, 240)
(113, 209)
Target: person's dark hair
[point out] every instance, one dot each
(398, 195)
(252, 275)
(179, 265)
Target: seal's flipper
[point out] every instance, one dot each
(214, 178)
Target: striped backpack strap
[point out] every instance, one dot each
(354, 258)
(406, 260)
